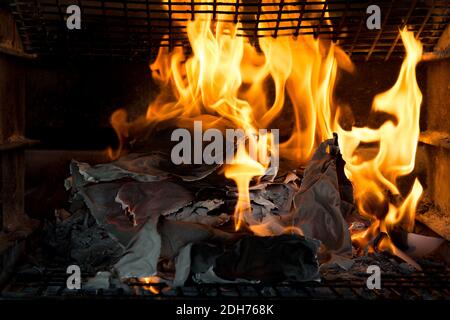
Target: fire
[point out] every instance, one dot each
(226, 76)
(225, 79)
(374, 179)
(242, 170)
(150, 281)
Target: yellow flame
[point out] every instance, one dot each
(396, 153)
(242, 170)
(226, 79)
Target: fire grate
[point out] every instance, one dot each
(434, 284)
(135, 29)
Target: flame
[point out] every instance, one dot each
(226, 79)
(226, 76)
(397, 139)
(242, 170)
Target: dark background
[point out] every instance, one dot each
(68, 104)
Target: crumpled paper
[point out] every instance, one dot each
(146, 206)
(318, 205)
(252, 258)
(143, 167)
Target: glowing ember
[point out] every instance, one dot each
(149, 281)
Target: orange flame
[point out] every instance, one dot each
(242, 170)
(396, 154)
(226, 78)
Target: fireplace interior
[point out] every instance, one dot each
(59, 89)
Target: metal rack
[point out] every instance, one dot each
(433, 284)
(135, 29)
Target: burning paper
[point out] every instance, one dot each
(223, 83)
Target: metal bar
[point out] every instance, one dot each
(361, 23)
(17, 53)
(149, 23)
(311, 5)
(341, 23)
(436, 55)
(20, 144)
(208, 10)
(300, 19)
(413, 6)
(51, 16)
(398, 4)
(322, 14)
(247, 4)
(55, 24)
(279, 17)
(225, 12)
(379, 32)
(435, 138)
(255, 39)
(430, 11)
(169, 5)
(236, 11)
(336, 293)
(138, 31)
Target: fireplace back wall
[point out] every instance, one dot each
(69, 103)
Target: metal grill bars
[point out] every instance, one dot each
(135, 28)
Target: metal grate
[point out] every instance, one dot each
(430, 285)
(134, 29)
